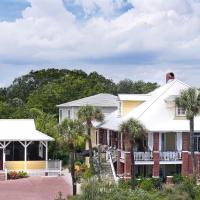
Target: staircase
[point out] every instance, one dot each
(104, 164)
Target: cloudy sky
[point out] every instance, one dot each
(136, 39)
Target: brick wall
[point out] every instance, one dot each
(156, 155)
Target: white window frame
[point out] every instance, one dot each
(197, 137)
(60, 114)
(180, 112)
(68, 113)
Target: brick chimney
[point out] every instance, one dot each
(170, 76)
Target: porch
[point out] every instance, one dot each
(23, 148)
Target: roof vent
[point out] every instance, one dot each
(170, 76)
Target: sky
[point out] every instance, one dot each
(135, 39)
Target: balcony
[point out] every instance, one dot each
(143, 156)
(146, 158)
(170, 156)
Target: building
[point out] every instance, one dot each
(23, 148)
(107, 103)
(164, 150)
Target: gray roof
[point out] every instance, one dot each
(99, 100)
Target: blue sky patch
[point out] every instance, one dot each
(10, 10)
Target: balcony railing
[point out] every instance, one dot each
(170, 155)
(164, 156)
(143, 156)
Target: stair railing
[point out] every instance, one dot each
(112, 165)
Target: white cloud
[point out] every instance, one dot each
(153, 33)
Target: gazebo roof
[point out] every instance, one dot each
(21, 130)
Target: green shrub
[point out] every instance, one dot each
(177, 179)
(147, 184)
(87, 174)
(189, 186)
(22, 174)
(16, 175)
(124, 184)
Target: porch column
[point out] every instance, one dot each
(156, 154)
(127, 160)
(25, 145)
(185, 154)
(25, 155)
(46, 155)
(119, 164)
(108, 137)
(105, 137)
(4, 158)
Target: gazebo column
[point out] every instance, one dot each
(45, 144)
(3, 146)
(46, 155)
(25, 145)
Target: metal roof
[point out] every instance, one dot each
(21, 130)
(155, 113)
(99, 100)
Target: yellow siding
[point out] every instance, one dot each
(36, 164)
(15, 165)
(19, 165)
(128, 106)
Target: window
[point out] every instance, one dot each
(197, 142)
(60, 115)
(180, 111)
(68, 114)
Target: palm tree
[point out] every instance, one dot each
(189, 100)
(87, 114)
(133, 130)
(72, 135)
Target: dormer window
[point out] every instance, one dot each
(180, 111)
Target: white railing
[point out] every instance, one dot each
(53, 168)
(171, 155)
(122, 155)
(112, 166)
(143, 156)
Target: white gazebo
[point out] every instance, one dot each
(16, 135)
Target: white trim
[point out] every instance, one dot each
(160, 140)
(144, 162)
(179, 141)
(150, 141)
(173, 162)
(108, 137)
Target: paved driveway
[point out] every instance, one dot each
(35, 188)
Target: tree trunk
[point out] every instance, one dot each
(192, 146)
(90, 150)
(72, 169)
(132, 167)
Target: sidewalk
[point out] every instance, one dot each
(35, 188)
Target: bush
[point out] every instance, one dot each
(177, 179)
(189, 185)
(22, 174)
(13, 175)
(87, 174)
(124, 184)
(149, 184)
(16, 175)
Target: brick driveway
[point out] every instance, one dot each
(35, 188)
